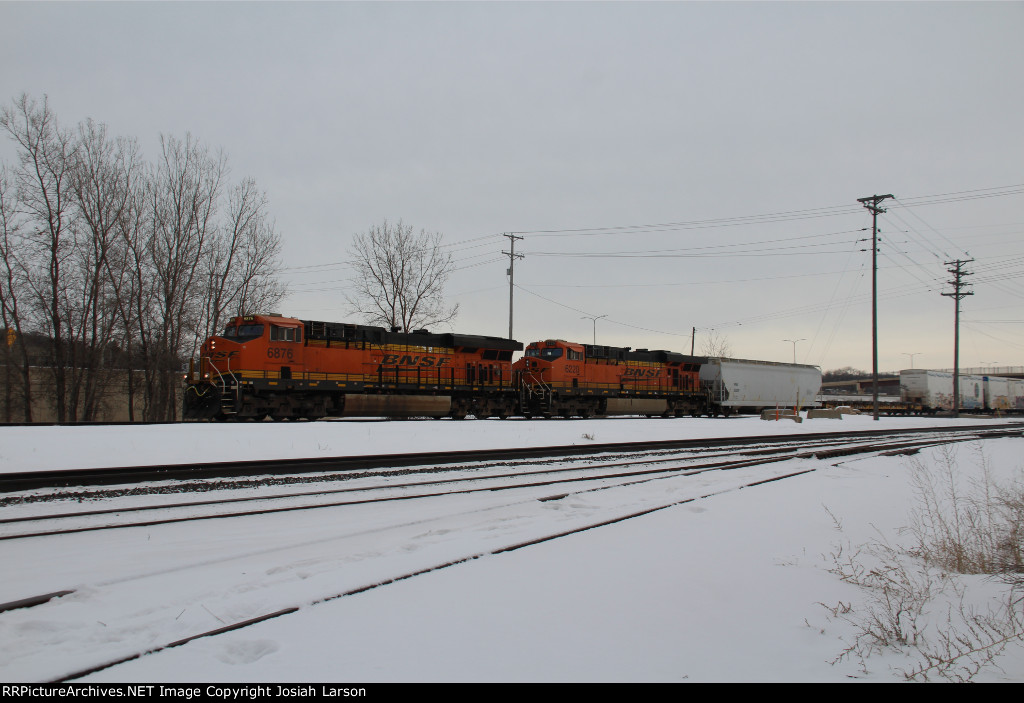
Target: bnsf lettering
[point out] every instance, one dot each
(642, 373)
(408, 360)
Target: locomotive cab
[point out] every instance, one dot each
(270, 347)
(263, 349)
(553, 361)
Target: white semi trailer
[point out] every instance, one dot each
(934, 390)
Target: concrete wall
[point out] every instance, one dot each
(112, 405)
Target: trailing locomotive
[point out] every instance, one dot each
(285, 368)
(562, 378)
(281, 367)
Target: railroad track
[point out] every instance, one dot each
(547, 500)
(28, 480)
(639, 464)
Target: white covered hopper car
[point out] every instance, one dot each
(740, 384)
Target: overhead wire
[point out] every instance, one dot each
(828, 307)
(1002, 275)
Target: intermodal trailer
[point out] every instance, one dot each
(934, 390)
(1004, 394)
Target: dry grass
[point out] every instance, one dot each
(972, 526)
(915, 602)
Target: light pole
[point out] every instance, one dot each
(794, 341)
(595, 319)
(911, 355)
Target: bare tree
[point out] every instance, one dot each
(107, 261)
(13, 285)
(104, 169)
(243, 260)
(132, 289)
(181, 222)
(716, 345)
(43, 181)
(400, 277)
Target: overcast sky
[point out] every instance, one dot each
(712, 153)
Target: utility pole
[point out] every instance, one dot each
(957, 294)
(512, 256)
(871, 203)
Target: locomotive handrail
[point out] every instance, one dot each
(220, 374)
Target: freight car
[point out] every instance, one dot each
(1004, 394)
(282, 367)
(738, 385)
(556, 377)
(933, 391)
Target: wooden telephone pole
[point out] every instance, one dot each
(871, 203)
(957, 294)
(512, 256)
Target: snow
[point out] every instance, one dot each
(38, 448)
(727, 587)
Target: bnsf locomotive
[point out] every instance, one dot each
(281, 367)
(561, 378)
(265, 365)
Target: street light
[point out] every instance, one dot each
(595, 319)
(911, 355)
(794, 341)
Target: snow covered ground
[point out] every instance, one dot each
(37, 448)
(728, 587)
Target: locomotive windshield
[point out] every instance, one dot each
(548, 354)
(243, 333)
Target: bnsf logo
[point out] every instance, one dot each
(408, 360)
(642, 373)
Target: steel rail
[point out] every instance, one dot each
(796, 452)
(16, 481)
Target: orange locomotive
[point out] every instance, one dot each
(561, 378)
(281, 367)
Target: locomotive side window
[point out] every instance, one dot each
(283, 334)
